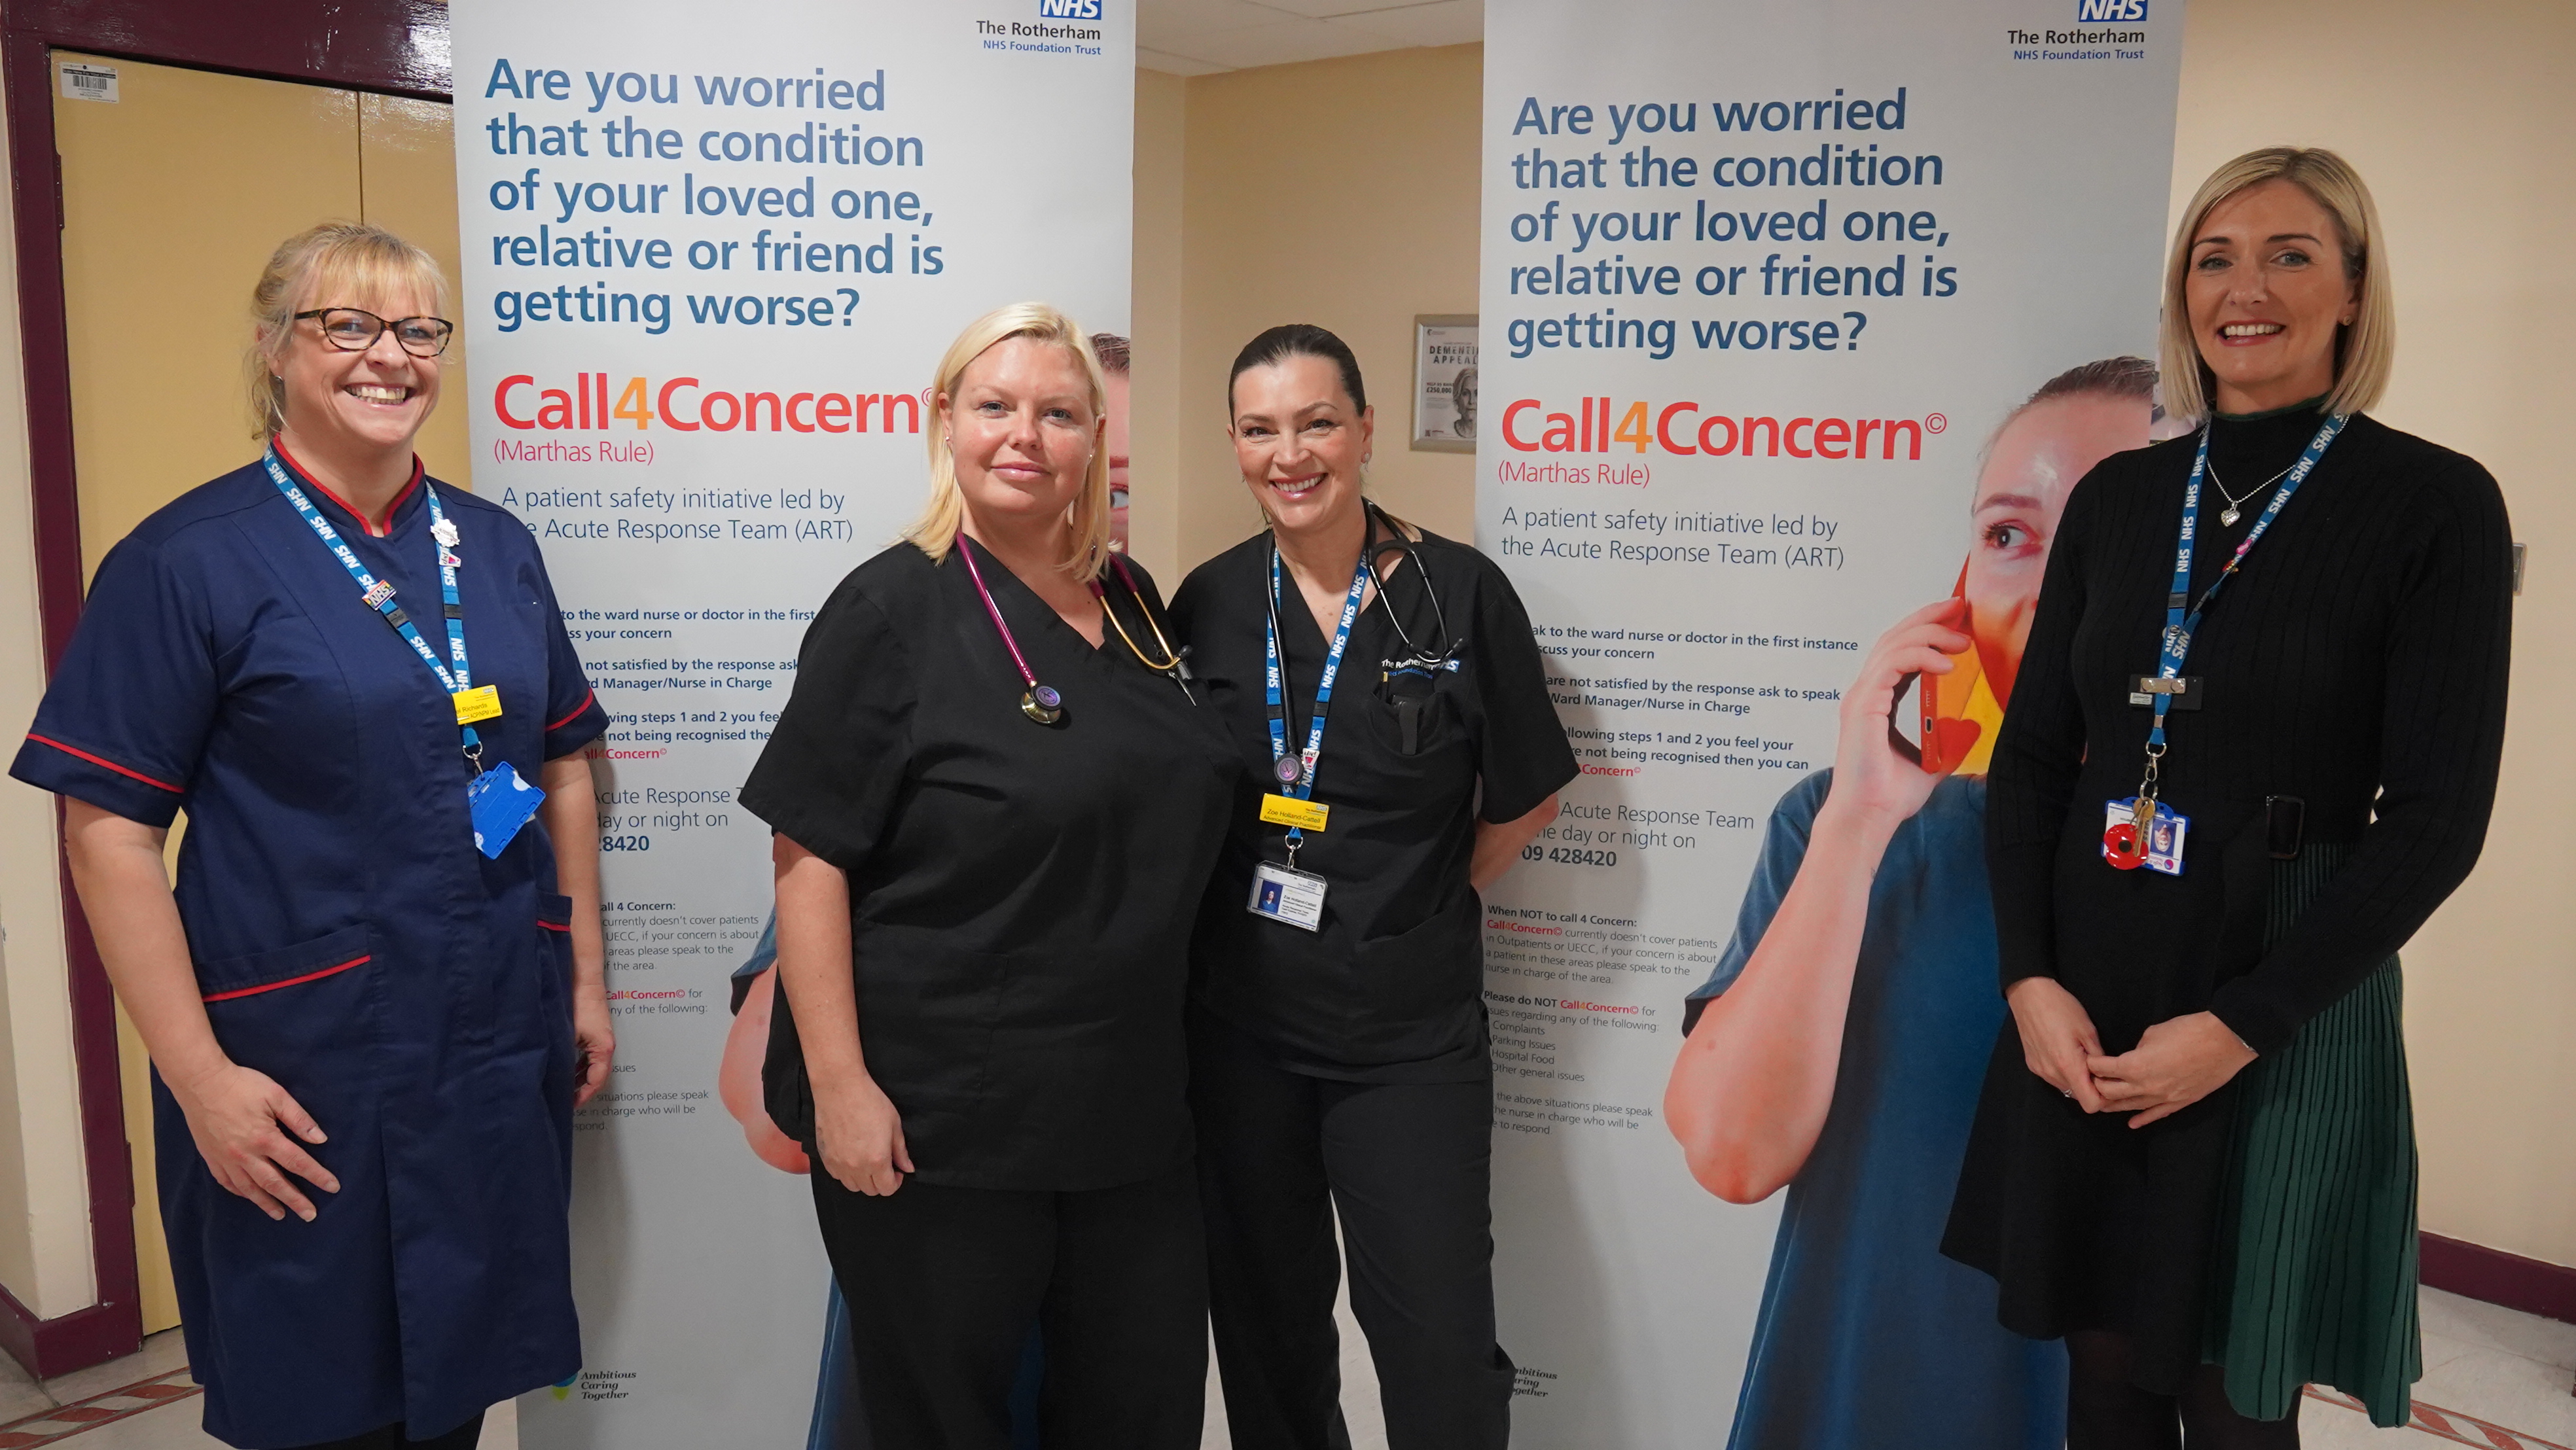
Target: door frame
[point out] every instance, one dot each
(392, 47)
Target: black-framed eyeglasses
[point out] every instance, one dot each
(354, 329)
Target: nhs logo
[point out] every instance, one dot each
(1090, 9)
(2087, 12)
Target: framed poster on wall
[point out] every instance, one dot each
(1444, 383)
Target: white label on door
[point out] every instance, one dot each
(89, 82)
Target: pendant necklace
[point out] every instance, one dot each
(1038, 702)
(2229, 515)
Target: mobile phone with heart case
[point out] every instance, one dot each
(1948, 735)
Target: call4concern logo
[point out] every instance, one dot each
(2088, 12)
(1090, 9)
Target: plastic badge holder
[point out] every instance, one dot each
(500, 803)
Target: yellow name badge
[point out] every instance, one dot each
(480, 703)
(1287, 810)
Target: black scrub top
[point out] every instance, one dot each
(1020, 894)
(1391, 988)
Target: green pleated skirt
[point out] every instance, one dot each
(2314, 1277)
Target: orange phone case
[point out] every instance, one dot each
(1947, 737)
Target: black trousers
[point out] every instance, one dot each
(1410, 1168)
(395, 1437)
(943, 1284)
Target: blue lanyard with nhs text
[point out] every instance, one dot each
(1297, 776)
(498, 802)
(2141, 831)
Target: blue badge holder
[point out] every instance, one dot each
(500, 803)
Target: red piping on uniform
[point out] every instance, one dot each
(576, 711)
(292, 981)
(324, 489)
(395, 507)
(554, 926)
(110, 764)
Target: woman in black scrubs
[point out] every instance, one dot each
(995, 802)
(1337, 1039)
(2194, 1156)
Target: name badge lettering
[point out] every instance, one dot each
(1284, 810)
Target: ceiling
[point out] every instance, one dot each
(1202, 37)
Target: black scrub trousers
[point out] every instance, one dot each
(1020, 899)
(1346, 1068)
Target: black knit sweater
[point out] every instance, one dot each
(2356, 661)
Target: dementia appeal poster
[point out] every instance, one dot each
(1768, 292)
(712, 254)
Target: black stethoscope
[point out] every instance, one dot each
(1417, 660)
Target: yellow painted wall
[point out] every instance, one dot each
(1358, 216)
(1154, 393)
(2458, 115)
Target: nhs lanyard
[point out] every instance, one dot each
(2180, 627)
(379, 595)
(1297, 777)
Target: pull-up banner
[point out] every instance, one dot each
(1763, 284)
(712, 255)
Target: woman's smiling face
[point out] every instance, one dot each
(2267, 292)
(377, 398)
(1300, 442)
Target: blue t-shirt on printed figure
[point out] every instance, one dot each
(1868, 1337)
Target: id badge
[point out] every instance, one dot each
(1287, 810)
(2159, 849)
(1286, 894)
(500, 803)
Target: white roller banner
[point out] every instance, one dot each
(712, 253)
(1760, 282)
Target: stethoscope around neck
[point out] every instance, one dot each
(1417, 660)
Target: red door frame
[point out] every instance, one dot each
(397, 47)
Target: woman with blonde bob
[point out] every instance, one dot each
(2213, 817)
(996, 802)
(375, 995)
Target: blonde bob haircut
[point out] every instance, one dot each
(2365, 351)
(1087, 518)
(337, 264)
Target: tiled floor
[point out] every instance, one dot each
(2492, 1378)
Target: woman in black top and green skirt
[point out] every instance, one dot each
(1394, 766)
(2214, 816)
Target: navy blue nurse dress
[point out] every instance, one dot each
(350, 942)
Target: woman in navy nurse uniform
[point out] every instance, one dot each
(368, 1035)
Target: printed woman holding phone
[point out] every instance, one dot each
(1837, 1048)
